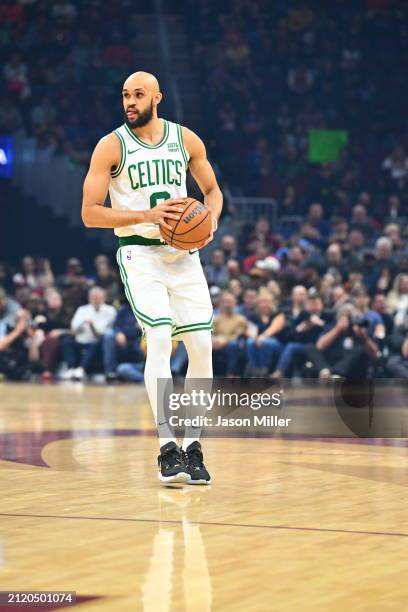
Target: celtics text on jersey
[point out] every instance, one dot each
(148, 175)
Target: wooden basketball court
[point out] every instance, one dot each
(317, 525)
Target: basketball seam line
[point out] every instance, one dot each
(194, 227)
(175, 227)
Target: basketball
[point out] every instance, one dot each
(192, 229)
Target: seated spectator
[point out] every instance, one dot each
(234, 270)
(264, 348)
(88, 327)
(340, 297)
(306, 329)
(258, 251)
(397, 298)
(296, 304)
(345, 349)
(263, 233)
(14, 363)
(48, 328)
(107, 278)
(229, 328)
(34, 275)
(9, 310)
(229, 247)
(393, 232)
(73, 284)
(216, 271)
(235, 287)
(354, 249)
(334, 260)
(397, 365)
(121, 343)
(394, 207)
(379, 304)
(365, 315)
(396, 168)
(315, 218)
(248, 306)
(362, 222)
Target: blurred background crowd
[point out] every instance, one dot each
(299, 102)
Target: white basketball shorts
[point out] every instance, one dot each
(166, 286)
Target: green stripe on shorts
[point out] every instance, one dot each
(138, 314)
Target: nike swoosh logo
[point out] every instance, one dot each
(130, 152)
(164, 422)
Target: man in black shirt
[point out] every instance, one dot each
(344, 349)
(305, 330)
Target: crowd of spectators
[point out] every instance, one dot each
(63, 63)
(324, 293)
(272, 71)
(329, 300)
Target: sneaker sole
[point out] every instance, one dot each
(181, 477)
(200, 482)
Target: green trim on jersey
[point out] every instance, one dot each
(182, 148)
(119, 169)
(138, 314)
(144, 144)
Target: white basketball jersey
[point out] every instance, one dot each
(147, 175)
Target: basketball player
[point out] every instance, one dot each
(143, 164)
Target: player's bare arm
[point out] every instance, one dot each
(204, 175)
(105, 157)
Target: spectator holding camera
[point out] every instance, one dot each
(345, 348)
(305, 330)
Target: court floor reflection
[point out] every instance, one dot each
(178, 565)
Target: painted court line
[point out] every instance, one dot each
(210, 524)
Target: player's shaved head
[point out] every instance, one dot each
(141, 95)
(141, 79)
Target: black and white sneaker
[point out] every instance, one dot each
(193, 458)
(172, 467)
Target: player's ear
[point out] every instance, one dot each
(157, 98)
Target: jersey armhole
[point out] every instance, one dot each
(119, 168)
(186, 156)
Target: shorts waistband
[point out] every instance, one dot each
(126, 240)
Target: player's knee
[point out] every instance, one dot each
(199, 343)
(159, 341)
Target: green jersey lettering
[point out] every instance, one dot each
(133, 182)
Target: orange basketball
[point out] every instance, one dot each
(192, 229)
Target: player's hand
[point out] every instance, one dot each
(214, 225)
(163, 211)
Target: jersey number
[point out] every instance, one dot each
(158, 195)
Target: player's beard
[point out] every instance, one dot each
(143, 118)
